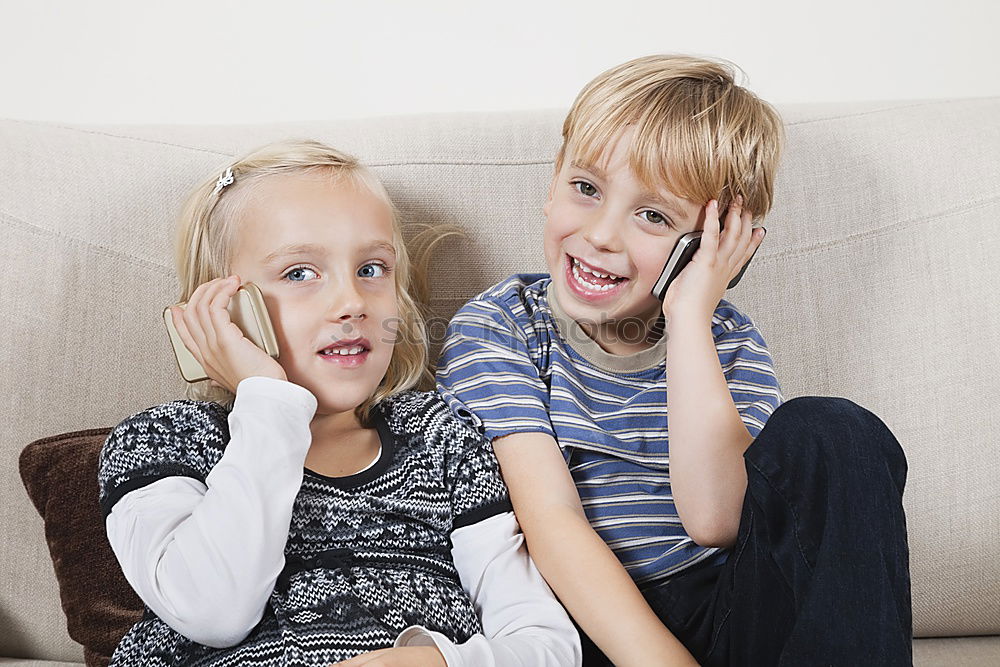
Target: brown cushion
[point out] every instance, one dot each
(60, 474)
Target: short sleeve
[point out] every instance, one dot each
(749, 370)
(487, 376)
(472, 475)
(181, 438)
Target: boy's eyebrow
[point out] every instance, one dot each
(650, 196)
(660, 201)
(593, 168)
(299, 249)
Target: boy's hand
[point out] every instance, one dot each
(227, 356)
(405, 656)
(696, 292)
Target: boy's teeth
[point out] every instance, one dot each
(586, 269)
(599, 287)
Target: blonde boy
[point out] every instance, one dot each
(581, 378)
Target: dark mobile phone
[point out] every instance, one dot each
(685, 248)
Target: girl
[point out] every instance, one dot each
(309, 509)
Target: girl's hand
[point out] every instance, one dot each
(227, 356)
(696, 292)
(405, 656)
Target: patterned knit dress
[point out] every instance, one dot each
(367, 555)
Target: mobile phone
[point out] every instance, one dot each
(247, 311)
(685, 248)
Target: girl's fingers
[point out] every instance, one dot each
(180, 325)
(223, 325)
(204, 311)
(192, 322)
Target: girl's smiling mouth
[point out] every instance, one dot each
(348, 353)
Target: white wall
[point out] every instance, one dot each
(225, 61)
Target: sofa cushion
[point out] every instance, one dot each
(60, 474)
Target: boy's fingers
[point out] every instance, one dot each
(710, 231)
(733, 231)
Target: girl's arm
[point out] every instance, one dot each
(586, 575)
(524, 625)
(205, 557)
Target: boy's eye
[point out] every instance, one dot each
(372, 270)
(585, 188)
(296, 272)
(655, 218)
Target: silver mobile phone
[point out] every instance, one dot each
(685, 248)
(247, 311)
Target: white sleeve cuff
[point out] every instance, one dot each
(253, 389)
(416, 635)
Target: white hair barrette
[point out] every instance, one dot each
(224, 180)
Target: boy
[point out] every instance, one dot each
(667, 554)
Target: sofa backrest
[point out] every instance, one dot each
(875, 283)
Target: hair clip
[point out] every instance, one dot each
(224, 180)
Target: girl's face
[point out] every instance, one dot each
(322, 253)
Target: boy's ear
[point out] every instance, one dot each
(548, 197)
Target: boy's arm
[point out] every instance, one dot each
(584, 573)
(707, 438)
(707, 434)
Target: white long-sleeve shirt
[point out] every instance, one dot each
(205, 556)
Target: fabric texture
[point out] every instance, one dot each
(819, 573)
(60, 475)
(367, 555)
(514, 362)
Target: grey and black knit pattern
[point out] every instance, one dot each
(366, 556)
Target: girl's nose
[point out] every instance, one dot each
(347, 302)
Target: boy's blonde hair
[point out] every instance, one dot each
(697, 132)
(208, 227)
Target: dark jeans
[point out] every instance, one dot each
(819, 574)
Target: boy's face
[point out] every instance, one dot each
(602, 220)
(340, 290)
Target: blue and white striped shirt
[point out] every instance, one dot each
(508, 367)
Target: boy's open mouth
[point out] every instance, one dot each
(591, 282)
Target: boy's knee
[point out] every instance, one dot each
(841, 429)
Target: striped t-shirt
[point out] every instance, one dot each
(507, 367)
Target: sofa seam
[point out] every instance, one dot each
(811, 249)
(42, 231)
(888, 109)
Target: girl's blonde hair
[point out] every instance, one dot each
(697, 132)
(208, 227)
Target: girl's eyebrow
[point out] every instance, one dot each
(305, 249)
(294, 250)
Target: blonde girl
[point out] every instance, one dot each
(313, 509)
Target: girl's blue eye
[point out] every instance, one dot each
(372, 270)
(298, 270)
(585, 188)
(655, 218)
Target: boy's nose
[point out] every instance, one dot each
(602, 231)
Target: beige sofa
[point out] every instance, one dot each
(876, 282)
